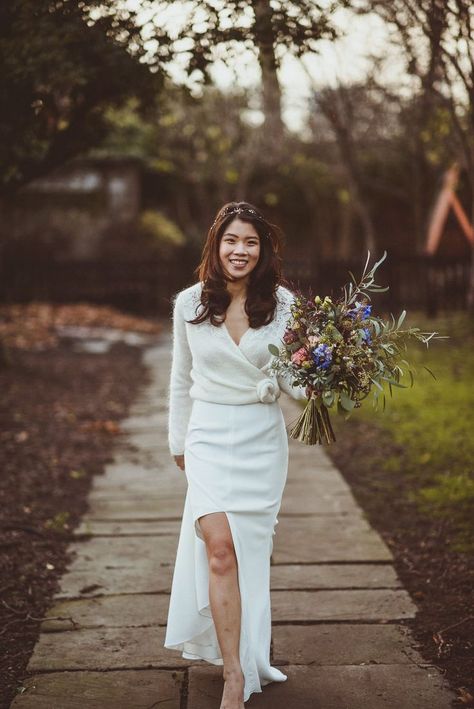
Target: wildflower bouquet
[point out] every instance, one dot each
(340, 351)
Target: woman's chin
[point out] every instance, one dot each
(237, 274)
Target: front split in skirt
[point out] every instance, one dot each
(236, 461)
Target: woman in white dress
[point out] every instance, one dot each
(227, 433)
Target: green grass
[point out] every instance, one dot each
(434, 423)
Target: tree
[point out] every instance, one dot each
(63, 63)
(201, 151)
(337, 105)
(267, 27)
(438, 38)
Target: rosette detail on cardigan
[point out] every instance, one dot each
(268, 390)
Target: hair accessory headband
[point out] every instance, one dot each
(238, 210)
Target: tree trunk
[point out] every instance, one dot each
(265, 41)
(334, 108)
(470, 288)
(5, 356)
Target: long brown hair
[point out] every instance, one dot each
(264, 279)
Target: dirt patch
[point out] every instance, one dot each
(440, 580)
(59, 419)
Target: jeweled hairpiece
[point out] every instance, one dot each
(238, 210)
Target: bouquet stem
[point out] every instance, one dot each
(313, 425)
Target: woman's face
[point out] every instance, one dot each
(239, 249)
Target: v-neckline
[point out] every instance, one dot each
(230, 336)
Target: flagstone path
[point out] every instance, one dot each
(340, 614)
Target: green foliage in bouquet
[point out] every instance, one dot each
(341, 352)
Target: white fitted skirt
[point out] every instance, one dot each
(236, 461)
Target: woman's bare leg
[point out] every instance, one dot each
(224, 597)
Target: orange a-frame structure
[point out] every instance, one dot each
(447, 200)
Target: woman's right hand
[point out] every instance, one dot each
(179, 460)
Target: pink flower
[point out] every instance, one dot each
(313, 340)
(300, 356)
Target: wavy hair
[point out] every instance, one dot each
(264, 278)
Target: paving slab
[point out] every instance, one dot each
(363, 604)
(110, 528)
(136, 498)
(320, 538)
(104, 649)
(344, 687)
(151, 423)
(320, 576)
(343, 644)
(154, 508)
(143, 577)
(105, 565)
(136, 489)
(122, 471)
(315, 481)
(162, 480)
(122, 552)
(297, 499)
(149, 439)
(107, 611)
(102, 690)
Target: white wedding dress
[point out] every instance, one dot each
(236, 461)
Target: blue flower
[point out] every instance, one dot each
(322, 356)
(360, 309)
(367, 337)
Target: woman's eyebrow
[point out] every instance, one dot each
(229, 233)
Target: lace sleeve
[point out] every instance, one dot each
(179, 401)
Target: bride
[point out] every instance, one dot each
(227, 433)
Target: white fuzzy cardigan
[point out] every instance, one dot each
(207, 364)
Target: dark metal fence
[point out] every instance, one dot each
(146, 286)
(143, 287)
(424, 283)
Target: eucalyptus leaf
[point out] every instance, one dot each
(346, 402)
(401, 318)
(328, 398)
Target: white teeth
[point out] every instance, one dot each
(238, 261)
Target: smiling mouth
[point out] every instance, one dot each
(238, 262)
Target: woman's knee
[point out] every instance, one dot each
(221, 555)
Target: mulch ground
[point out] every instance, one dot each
(60, 413)
(440, 580)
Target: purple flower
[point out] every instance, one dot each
(322, 356)
(367, 337)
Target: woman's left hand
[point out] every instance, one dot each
(179, 460)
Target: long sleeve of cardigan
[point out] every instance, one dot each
(179, 400)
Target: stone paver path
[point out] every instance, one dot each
(339, 610)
